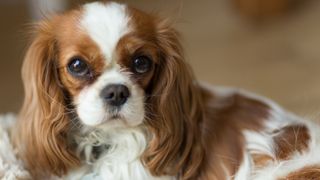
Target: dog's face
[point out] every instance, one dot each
(106, 64)
(107, 55)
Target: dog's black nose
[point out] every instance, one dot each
(115, 94)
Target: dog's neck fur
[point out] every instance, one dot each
(111, 153)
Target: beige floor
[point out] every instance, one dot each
(279, 59)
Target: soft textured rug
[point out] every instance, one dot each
(10, 166)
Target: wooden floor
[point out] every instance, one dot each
(279, 58)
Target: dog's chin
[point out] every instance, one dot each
(112, 120)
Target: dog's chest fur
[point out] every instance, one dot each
(112, 154)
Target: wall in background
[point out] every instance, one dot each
(277, 57)
(13, 18)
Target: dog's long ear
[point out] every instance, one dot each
(176, 111)
(43, 123)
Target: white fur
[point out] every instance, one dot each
(259, 143)
(105, 23)
(122, 160)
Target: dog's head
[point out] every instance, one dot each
(106, 64)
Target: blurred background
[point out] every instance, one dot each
(270, 47)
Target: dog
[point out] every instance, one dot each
(108, 95)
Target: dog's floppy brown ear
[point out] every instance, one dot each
(175, 111)
(43, 123)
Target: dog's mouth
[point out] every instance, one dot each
(115, 117)
(114, 114)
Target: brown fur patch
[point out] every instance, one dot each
(291, 139)
(132, 46)
(141, 41)
(226, 118)
(306, 173)
(73, 42)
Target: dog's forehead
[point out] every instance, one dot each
(105, 24)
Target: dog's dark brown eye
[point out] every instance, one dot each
(142, 64)
(78, 67)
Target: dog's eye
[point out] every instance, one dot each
(142, 64)
(78, 67)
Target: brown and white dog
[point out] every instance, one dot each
(108, 95)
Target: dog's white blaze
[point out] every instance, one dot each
(105, 23)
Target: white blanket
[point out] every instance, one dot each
(11, 168)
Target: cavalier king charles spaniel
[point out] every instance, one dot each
(108, 95)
